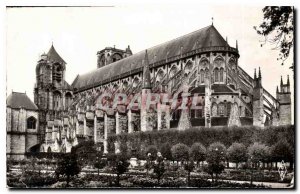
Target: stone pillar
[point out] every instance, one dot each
(118, 130)
(207, 98)
(105, 134)
(234, 117)
(163, 117)
(95, 129)
(184, 121)
(130, 120)
(145, 124)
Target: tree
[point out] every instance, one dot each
(68, 166)
(180, 152)
(189, 167)
(100, 162)
(152, 150)
(159, 167)
(120, 165)
(282, 150)
(165, 150)
(258, 152)
(198, 152)
(278, 28)
(237, 153)
(215, 158)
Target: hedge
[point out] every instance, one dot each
(226, 135)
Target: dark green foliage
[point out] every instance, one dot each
(226, 135)
(151, 152)
(189, 167)
(86, 152)
(282, 150)
(237, 153)
(278, 28)
(68, 166)
(159, 168)
(120, 164)
(165, 150)
(198, 152)
(180, 152)
(215, 158)
(258, 152)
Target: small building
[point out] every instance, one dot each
(22, 134)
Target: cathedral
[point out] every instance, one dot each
(200, 64)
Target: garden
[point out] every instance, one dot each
(195, 158)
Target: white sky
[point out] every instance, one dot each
(78, 33)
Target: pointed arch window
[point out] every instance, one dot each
(202, 76)
(31, 123)
(216, 71)
(221, 74)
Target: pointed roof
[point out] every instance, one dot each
(54, 56)
(202, 38)
(20, 100)
(146, 73)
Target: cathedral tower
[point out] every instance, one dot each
(284, 99)
(52, 94)
(258, 105)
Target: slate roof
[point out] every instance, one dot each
(54, 56)
(202, 38)
(18, 100)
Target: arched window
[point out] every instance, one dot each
(201, 76)
(207, 72)
(56, 100)
(188, 67)
(135, 82)
(49, 150)
(216, 71)
(228, 108)
(221, 109)
(31, 123)
(68, 100)
(221, 74)
(173, 71)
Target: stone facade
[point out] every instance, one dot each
(201, 63)
(22, 127)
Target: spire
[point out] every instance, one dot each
(281, 82)
(54, 56)
(236, 45)
(226, 39)
(288, 80)
(277, 90)
(259, 73)
(212, 21)
(255, 73)
(146, 73)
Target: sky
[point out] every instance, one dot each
(77, 33)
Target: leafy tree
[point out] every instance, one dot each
(85, 152)
(258, 152)
(282, 150)
(215, 158)
(278, 28)
(120, 165)
(189, 167)
(68, 166)
(198, 152)
(159, 167)
(180, 152)
(100, 162)
(152, 150)
(237, 153)
(165, 150)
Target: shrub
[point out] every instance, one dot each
(165, 151)
(216, 153)
(258, 152)
(180, 152)
(198, 152)
(237, 153)
(151, 151)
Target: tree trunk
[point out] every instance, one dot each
(68, 180)
(118, 179)
(189, 178)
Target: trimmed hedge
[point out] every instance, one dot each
(226, 135)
